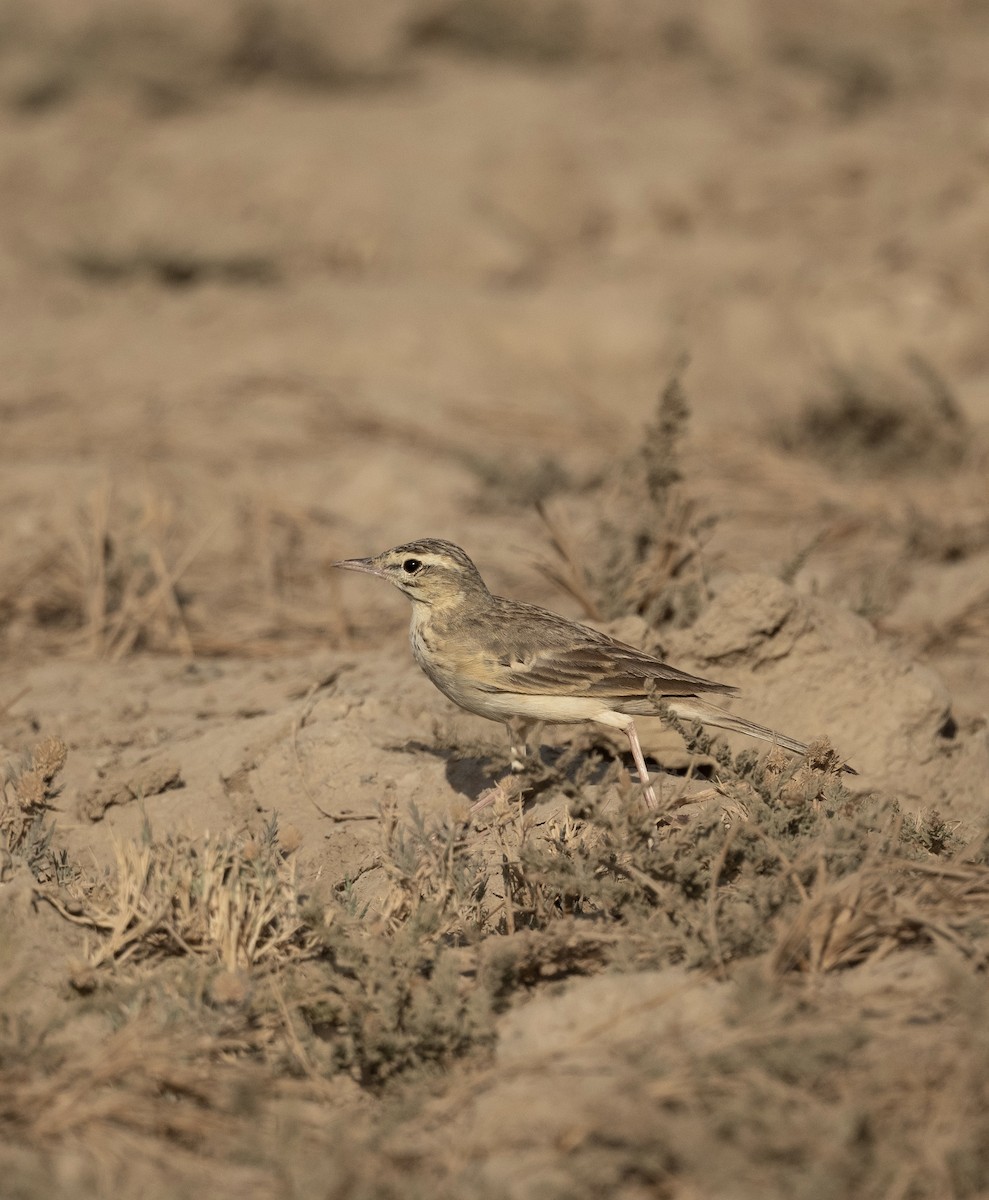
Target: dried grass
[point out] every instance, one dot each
(146, 1106)
(112, 586)
(780, 860)
(644, 554)
(119, 1080)
(867, 419)
(128, 575)
(277, 544)
(885, 906)
(437, 873)
(766, 887)
(393, 1005)
(217, 898)
(781, 869)
(27, 789)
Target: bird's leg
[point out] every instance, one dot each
(518, 749)
(640, 766)
(519, 730)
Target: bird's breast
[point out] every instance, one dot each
(421, 639)
(448, 665)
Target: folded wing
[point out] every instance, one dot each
(597, 669)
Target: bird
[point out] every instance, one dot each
(521, 664)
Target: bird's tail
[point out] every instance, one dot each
(689, 708)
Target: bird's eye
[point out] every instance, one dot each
(411, 565)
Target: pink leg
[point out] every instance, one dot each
(492, 794)
(640, 766)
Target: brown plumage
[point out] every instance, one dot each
(510, 661)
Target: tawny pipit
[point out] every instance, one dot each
(510, 661)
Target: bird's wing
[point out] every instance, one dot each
(594, 668)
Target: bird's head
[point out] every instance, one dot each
(429, 571)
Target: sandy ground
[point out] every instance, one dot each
(285, 285)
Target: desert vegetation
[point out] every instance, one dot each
(285, 284)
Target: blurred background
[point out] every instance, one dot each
(289, 280)
(674, 314)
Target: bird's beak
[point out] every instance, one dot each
(367, 565)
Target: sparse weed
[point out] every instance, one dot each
(391, 1003)
(865, 419)
(550, 33)
(646, 557)
(784, 862)
(114, 584)
(781, 868)
(231, 902)
(439, 881)
(27, 787)
(384, 998)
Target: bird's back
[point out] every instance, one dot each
(503, 645)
